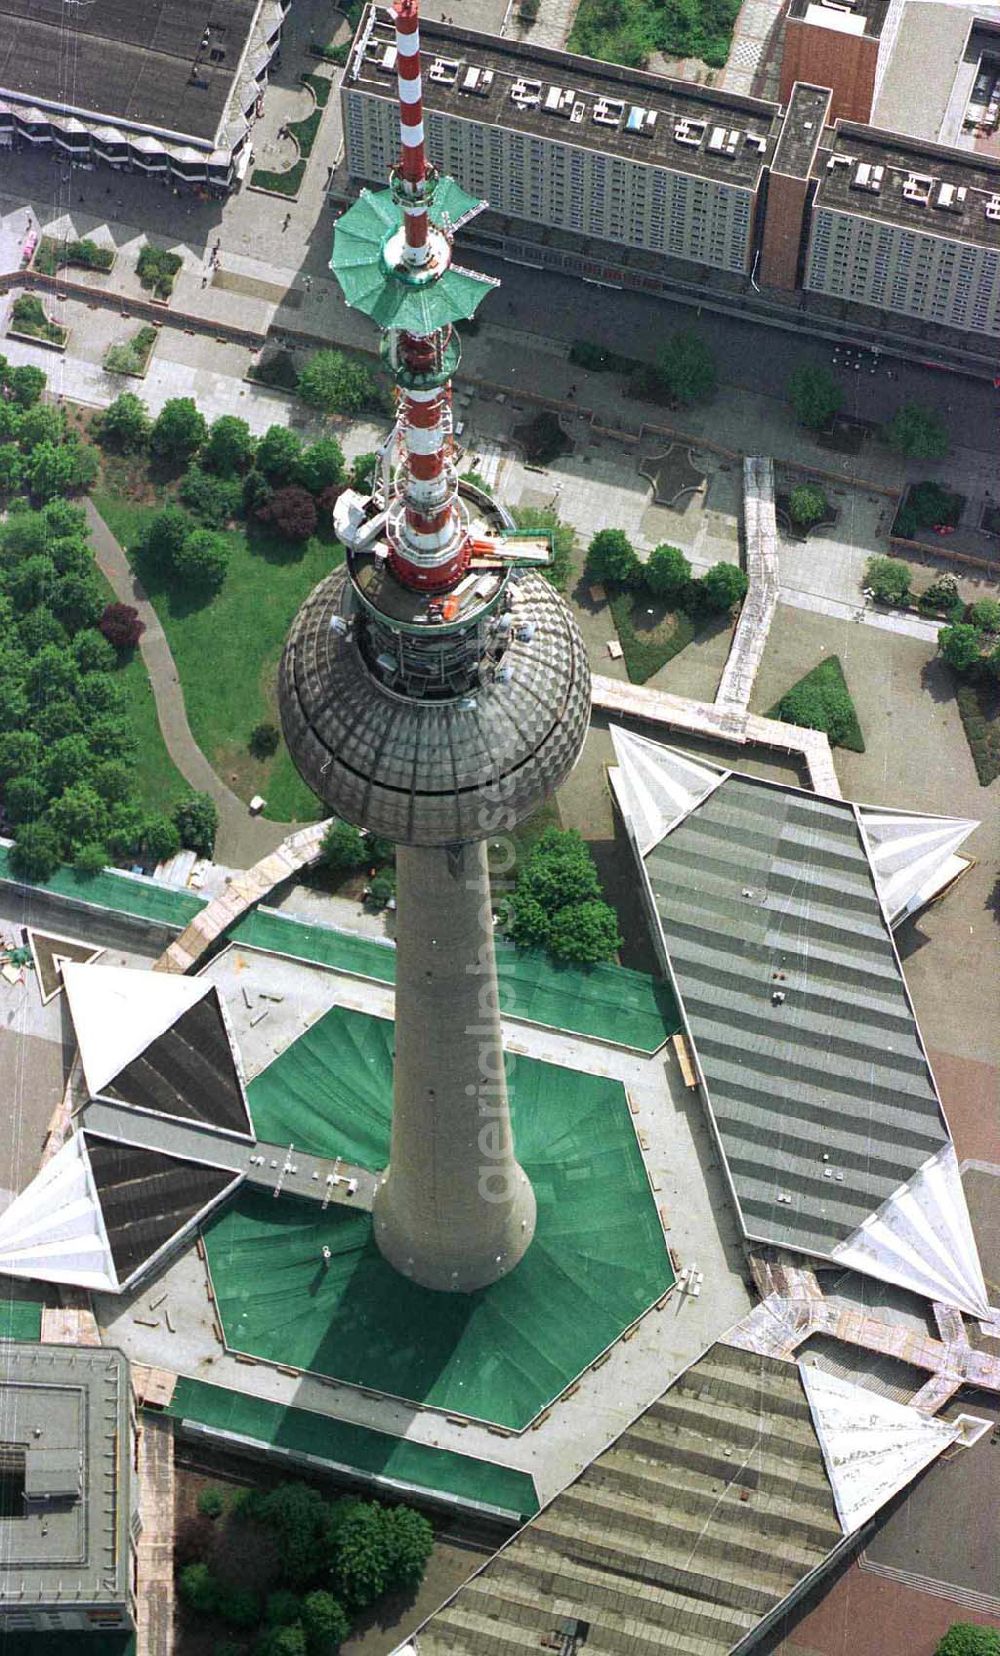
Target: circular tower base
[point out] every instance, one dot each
(430, 1257)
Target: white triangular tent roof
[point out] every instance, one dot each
(872, 1447)
(119, 1010)
(656, 786)
(921, 1238)
(54, 1231)
(913, 857)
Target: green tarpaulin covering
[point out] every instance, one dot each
(20, 1319)
(597, 1261)
(608, 1002)
(342, 1444)
(124, 893)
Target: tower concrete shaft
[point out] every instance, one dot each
(453, 1210)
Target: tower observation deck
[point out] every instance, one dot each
(434, 691)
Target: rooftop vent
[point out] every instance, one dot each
(840, 161)
(477, 81)
(559, 100)
(386, 64)
(444, 71)
(578, 111)
(641, 121)
(723, 142)
(993, 208)
(691, 132)
(951, 199)
(917, 187)
(755, 140)
(526, 93)
(608, 112)
(867, 177)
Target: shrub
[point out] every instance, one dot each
(25, 384)
(807, 505)
(214, 501)
(985, 613)
(343, 848)
(198, 1589)
(477, 480)
(211, 1502)
(157, 270)
(133, 356)
(126, 424)
(35, 853)
(282, 1641)
(229, 446)
(411, 1542)
(361, 1554)
(528, 10)
(326, 1625)
(201, 561)
(121, 626)
(362, 474)
(160, 839)
(278, 454)
(165, 535)
(321, 466)
(197, 821)
(277, 369)
(337, 384)
(28, 317)
(239, 1606)
(91, 858)
(927, 503)
(814, 395)
(961, 646)
(291, 511)
(667, 573)
(611, 557)
(562, 537)
(918, 433)
(942, 594)
(888, 579)
(966, 1639)
(382, 890)
(178, 430)
(264, 739)
(282, 1608)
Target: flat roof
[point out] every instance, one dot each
(866, 18)
(136, 63)
(802, 129)
(925, 187)
(914, 88)
(823, 1100)
(735, 140)
(64, 1414)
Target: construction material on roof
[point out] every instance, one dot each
(598, 1258)
(391, 1463)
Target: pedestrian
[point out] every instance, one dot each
(309, 283)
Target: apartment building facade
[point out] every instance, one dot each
(631, 178)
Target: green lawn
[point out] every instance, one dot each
(648, 642)
(837, 716)
(227, 651)
(159, 784)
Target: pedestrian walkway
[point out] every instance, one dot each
(155, 1607)
(760, 531)
(241, 838)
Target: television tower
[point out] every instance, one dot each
(434, 692)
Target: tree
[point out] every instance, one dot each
(477, 480)
(611, 557)
(239, 1606)
(229, 446)
(721, 588)
(337, 384)
(52, 672)
(178, 430)
(121, 626)
(125, 425)
(297, 1516)
(45, 423)
(66, 762)
(277, 454)
(78, 816)
(201, 561)
(49, 470)
(585, 933)
(667, 573)
(918, 433)
(20, 751)
(25, 384)
(686, 367)
(283, 1608)
(197, 821)
(559, 870)
(326, 1625)
(363, 470)
(92, 652)
(282, 1641)
(343, 848)
(361, 1553)
(39, 628)
(411, 1542)
(888, 580)
(111, 779)
(961, 646)
(806, 505)
(77, 600)
(212, 500)
(814, 394)
(966, 1639)
(321, 466)
(562, 537)
(160, 839)
(91, 858)
(164, 537)
(35, 853)
(11, 468)
(985, 613)
(198, 1589)
(382, 889)
(264, 739)
(26, 796)
(292, 512)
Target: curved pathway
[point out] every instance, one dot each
(242, 839)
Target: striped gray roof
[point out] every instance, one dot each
(762, 890)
